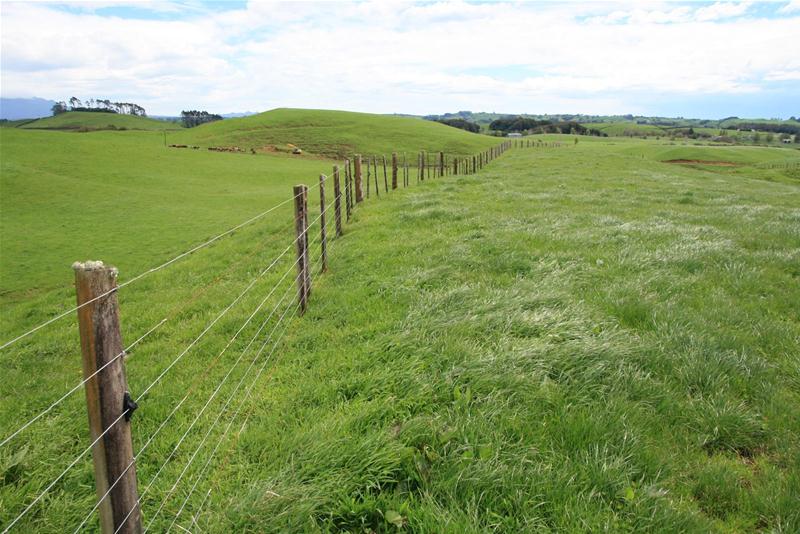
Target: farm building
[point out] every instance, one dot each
(515, 134)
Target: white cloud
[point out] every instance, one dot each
(791, 7)
(387, 57)
(721, 10)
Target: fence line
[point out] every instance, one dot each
(430, 166)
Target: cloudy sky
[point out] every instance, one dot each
(657, 58)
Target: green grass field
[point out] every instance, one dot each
(335, 133)
(576, 339)
(86, 120)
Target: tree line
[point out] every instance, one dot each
(462, 124)
(193, 118)
(534, 126)
(98, 105)
(770, 127)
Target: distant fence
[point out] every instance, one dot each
(110, 404)
(778, 165)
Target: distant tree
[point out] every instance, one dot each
(74, 102)
(756, 137)
(770, 137)
(193, 118)
(462, 124)
(59, 108)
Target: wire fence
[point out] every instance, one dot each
(213, 392)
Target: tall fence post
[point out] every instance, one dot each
(455, 166)
(348, 199)
(323, 228)
(107, 399)
(394, 170)
(428, 165)
(441, 163)
(385, 177)
(337, 201)
(359, 192)
(301, 229)
(375, 173)
(369, 175)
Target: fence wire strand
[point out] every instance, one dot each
(147, 272)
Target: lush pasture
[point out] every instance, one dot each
(336, 133)
(574, 339)
(86, 120)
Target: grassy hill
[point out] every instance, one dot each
(575, 339)
(335, 133)
(85, 120)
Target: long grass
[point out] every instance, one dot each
(575, 339)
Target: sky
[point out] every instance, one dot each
(690, 59)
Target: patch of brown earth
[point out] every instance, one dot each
(703, 162)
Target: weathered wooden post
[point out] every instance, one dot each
(323, 229)
(385, 177)
(359, 191)
(337, 201)
(374, 162)
(422, 164)
(107, 399)
(428, 165)
(369, 163)
(301, 230)
(474, 164)
(441, 164)
(455, 166)
(347, 193)
(394, 170)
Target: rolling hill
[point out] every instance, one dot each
(84, 120)
(335, 133)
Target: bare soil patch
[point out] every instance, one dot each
(703, 162)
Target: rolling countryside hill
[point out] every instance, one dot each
(335, 133)
(85, 120)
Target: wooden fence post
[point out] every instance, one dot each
(369, 162)
(428, 165)
(337, 201)
(441, 164)
(394, 170)
(107, 399)
(375, 167)
(359, 191)
(323, 228)
(385, 178)
(422, 165)
(301, 229)
(347, 196)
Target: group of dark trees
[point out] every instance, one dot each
(782, 128)
(193, 118)
(98, 105)
(462, 124)
(534, 126)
